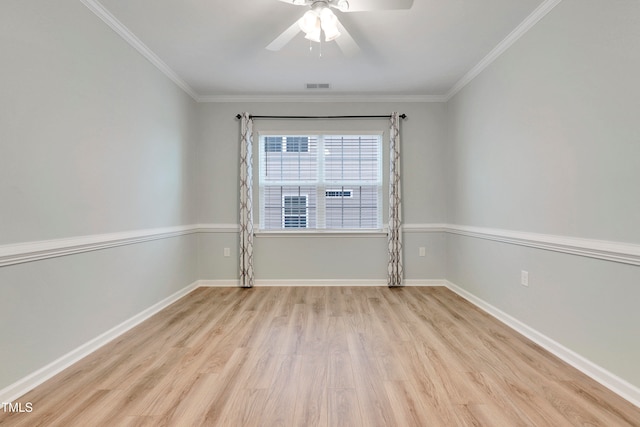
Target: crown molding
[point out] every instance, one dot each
(501, 47)
(120, 29)
(99, 10)
(320, 98)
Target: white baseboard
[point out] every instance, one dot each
(320, 282)
(230, 283)
(424, 282)
(611, 381)
(296, 282)
(19, 388)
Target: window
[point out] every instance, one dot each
(320, 182)
(297, 144)
(289, 144)
(295, 212)
(273, 144)
(337, 193)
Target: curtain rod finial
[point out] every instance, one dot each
(403, 116)
(238, 116)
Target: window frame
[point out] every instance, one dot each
(321, 184)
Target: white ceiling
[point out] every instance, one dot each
(216, 48)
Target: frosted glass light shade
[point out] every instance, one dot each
(309, 22)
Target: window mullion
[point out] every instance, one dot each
(320, 185)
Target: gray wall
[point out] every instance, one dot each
(93, 139)
(547, 140)
(340, 258)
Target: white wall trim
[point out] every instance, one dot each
(306, 98)
(622, 252)
(611, 381)
(217, 228)
(117, 26)
(626, 253)
(425, 228)
(223, 283)
(424, 282)
(409, 228)
(346, 282)
(311, 234)
(19, 388)
(501, 47)
(34, 251)
(320, 282)
(297, 282)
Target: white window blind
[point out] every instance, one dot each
(320, 182)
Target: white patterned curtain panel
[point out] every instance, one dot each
(246, 201)
(395, 204)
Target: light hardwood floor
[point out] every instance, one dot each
(315, 356)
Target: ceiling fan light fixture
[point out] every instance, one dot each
(329, 36)
(314, 36)
(309, 22)
(331, 33)
(320, 19)
(342, 5)
(329, 23)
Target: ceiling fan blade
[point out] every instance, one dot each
(345, 42)
(366, 5)
(284, 38)
(295, 2)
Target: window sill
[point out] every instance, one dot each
(321, 233)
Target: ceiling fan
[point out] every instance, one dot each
(320, 20)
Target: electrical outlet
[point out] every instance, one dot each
(227, 251)
(422, 251)
(524, 278)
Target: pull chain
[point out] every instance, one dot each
(319, 48)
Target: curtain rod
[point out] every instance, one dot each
(402, 116)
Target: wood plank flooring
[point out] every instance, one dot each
(322, 356)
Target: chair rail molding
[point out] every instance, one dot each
(621, 252)
(626, 253)
(33, 251)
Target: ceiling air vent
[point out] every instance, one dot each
(318, 86)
